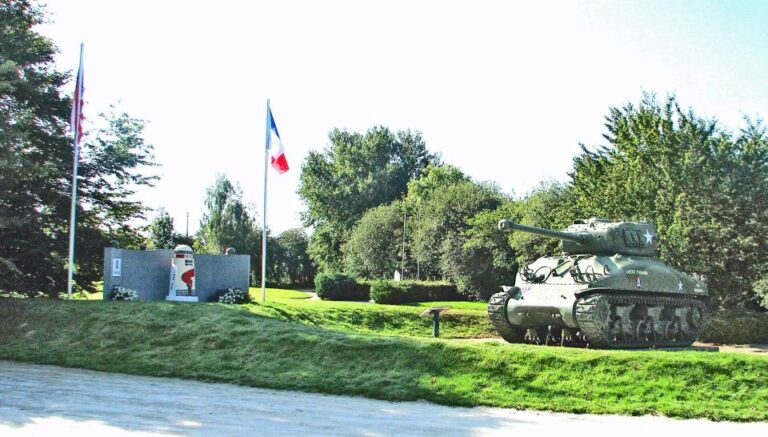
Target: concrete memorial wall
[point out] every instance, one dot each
(148, 272)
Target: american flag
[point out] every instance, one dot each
(76, 117)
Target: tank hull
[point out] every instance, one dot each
(613, 301)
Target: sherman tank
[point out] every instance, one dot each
(606, 290)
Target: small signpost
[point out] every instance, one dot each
(435, 313)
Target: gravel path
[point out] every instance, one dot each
(48, 400)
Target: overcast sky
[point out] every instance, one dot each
(504, 91)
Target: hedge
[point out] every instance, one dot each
(390, 292)
(736, 327)
(340, 286)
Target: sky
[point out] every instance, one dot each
(504, 90)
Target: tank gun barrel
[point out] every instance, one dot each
(508, 225)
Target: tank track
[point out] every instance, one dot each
(622, 321)
(497, 312)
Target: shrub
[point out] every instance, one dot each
(760, 288)
(231, 295)
(123, 293)
(391, 292)
(736, 327)
(340, 286)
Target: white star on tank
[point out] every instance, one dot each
(648, 237)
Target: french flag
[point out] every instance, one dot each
(274, 145)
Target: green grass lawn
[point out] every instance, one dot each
(464, 320)
(308, 345)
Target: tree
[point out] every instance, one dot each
(288, 262)
(548, 206)
(36, 167)
(704, 187)
(112, 165)
(443, 202)
(487, 260)
(229, 222)
(356, 172)
(374, 249)
(447, 219)
(425, 224)
(34, 155)
(161, 235)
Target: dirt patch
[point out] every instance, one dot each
(751, 349)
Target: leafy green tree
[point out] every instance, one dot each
(33, 158)
(439, 230)
(356, 172)
(487, 260)
(547, 206)
(298, 268)
(161, 235)
(229, 222)
(36, 167)
(433, 178)
(374, 249)
(704, 187)
(423, 225)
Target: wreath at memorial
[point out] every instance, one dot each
(232, 295)
(123, 293)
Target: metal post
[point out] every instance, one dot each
(76, 146)
(402, 259)
(264, 215)
(436, 323)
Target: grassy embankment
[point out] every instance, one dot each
(259, 345)
(464, 320)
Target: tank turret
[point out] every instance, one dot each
(598, 236)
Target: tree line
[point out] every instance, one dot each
(376, 201)
(380, 202)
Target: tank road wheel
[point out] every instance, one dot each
(672, 331)
(696, 318)
(644, 330)
(497, 312)
(597, 320)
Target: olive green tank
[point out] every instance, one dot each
(607, 290)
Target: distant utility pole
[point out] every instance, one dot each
(187, 224)
(402, 258)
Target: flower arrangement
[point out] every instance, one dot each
(123, 293)
(233, 295)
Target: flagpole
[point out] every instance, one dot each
(76, 146)
(264, 214)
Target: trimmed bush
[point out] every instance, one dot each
(390, 292)
(736, 327)
(340, 286)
